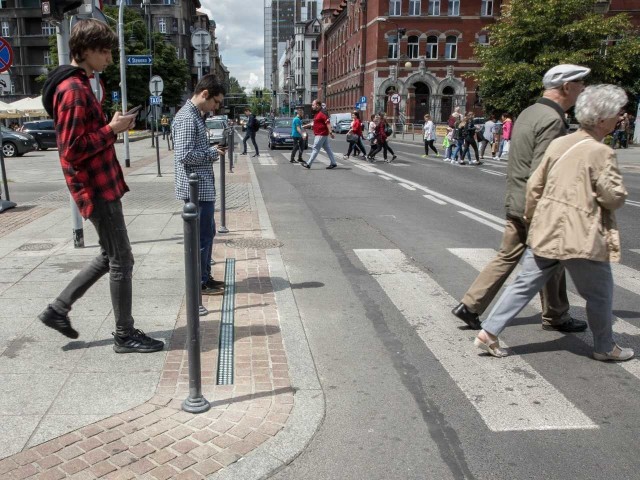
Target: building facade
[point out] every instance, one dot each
(280, 17)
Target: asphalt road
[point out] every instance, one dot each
(376, 266)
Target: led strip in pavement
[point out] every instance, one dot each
(225, 344)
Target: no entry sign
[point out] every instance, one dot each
(6, 55)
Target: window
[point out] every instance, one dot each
(47, 57)
(393, 47)
(48, 29)
(432, 47)
(5, 28)
(434, 8)
(414, 7)
(412, 47)
(486, 8)
(314, 45)
(483, 39)
(451, 48)
(162, 25)
(454, 8)
(168, 2)
(394, 7)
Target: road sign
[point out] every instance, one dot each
(200, 39)
(357, 105)
(363, 107)
(139, 59)
(156, 85)
(363, 100)
(115, 96)
(155, 100)
(395, 98)
(201, 58)
(6, 55)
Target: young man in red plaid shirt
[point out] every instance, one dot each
(95, 180)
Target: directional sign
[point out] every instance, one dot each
(395, 98)
(139, 59)
(156, 85)
(115, 96)
(200, 39)
(155, 100)
(6, 55)
(357, 105)
(363, 100)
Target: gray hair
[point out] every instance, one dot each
(599, 102)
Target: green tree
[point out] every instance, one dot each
(260, 105)
(534, 35)
(236, 98)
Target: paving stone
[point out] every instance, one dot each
(207, 467)
(182, 462)
(141, 466)
(180, 432)
(74, 466)
(203, 436)
(163, 456)
(123, 459)
(161, 441)
(142, 450)
(204, 451)
(189, 475)
(163, 472)
(225, 441)
(184, 446)
(54, 474)
(90, 430)
(49, 461)
(226, 457)
(23, 472)
(71, 452)
(116, 447)
(95, 456)
(46, 448)
(102, 468)
(28, 456)
(89, 444)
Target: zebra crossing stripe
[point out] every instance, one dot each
(508, 393)
(478, 258)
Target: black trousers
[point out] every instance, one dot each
(250, 135)
(297, 148)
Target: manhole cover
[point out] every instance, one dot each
(36, 247)
(254, 243)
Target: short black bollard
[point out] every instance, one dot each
(195, 402)
(223, 208)
(194, 197)
(169, 141)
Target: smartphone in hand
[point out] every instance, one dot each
(133, 111)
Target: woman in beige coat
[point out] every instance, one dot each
(570, 200)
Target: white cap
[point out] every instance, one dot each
(561, 74)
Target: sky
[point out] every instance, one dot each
(240, 36)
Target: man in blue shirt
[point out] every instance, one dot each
(296, 134)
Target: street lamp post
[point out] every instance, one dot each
(399, 31)
(123, 78)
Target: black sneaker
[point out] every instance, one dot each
(61, 323)
(206, 290)
(211, 283)
(136, 342)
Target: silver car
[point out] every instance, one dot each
(215, 129)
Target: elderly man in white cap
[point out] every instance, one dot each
(533, 131)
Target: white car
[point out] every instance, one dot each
(216, 129)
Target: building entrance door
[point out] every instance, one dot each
(421, 102)
(446, 104)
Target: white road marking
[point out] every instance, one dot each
(434, 199)
(384, 177)
(632, 202)
(488, 223)
(478, 258)
(408, 187)
(493, 172)
(508, 393)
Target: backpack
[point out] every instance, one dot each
(388, 131)
(255, 124)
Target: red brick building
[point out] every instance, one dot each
(360, 54)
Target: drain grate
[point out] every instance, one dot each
(36, 247)
(225, 347)
(258, 243)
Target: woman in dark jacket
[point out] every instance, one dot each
(470, 139)
(381, 140)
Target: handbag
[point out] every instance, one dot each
(352, 137)
(388, 130)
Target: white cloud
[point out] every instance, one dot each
(240, 36)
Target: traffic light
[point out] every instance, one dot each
(55, 9)
(258, 93)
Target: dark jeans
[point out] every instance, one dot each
(207, 233)
(250, 135)
(471, 143)
(428, 144)
(115, 257)
(165, 130)
(297, 148)
(380, 146)
(355, 146)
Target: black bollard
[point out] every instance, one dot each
(195, 402)
(230, 142)
(223, 209)
(194, 197)
(169, 141)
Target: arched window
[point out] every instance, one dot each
(412, 46)
(432, 47)
(451, 48)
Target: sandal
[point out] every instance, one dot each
(492, 349)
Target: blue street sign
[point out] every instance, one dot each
(363, 99)
(6, 55)
(155, 100)
(357, 105)
(139, 59)
(115, 96)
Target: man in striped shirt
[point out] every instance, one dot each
(193, 154)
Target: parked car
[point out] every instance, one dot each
(280, 134)
(16, 144)
(216, 129)
(340, 122)
(43, 131)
